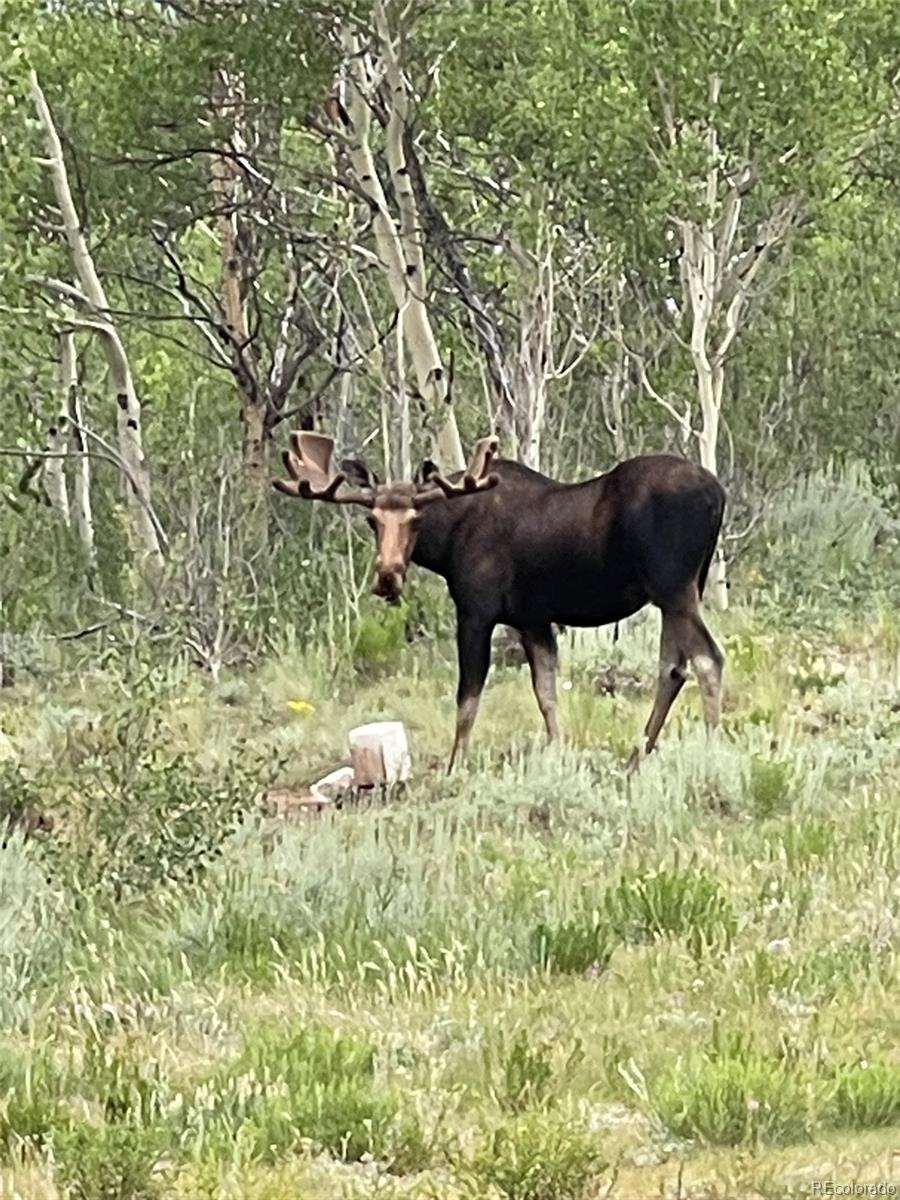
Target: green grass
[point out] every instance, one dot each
(528, 980)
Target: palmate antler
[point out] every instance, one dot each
(313, 475)
(312, 472)
(475, 479)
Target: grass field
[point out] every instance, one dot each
(534, 980)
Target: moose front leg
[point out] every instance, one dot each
(540, 647)
(473, 643)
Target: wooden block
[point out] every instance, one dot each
(379, 753)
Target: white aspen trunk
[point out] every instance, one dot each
(717, 284)
(386, 456)
(342, 360)
(81, 509)
(406, 467)
(128, 408)
(711, 388)
(534, 366)
(699, 277)
(54, 475)
(530, 383)
(613, 387)
(703, 264)
(716, 279)
(399, 249)
(54, 472)
(539, 332)
(341, 352)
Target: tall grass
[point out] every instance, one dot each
(498, 984)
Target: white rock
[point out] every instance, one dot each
(326, 789)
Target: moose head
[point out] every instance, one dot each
(395, 509)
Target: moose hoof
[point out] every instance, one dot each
(634, 762)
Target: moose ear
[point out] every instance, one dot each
(358, 473)
(424, 473)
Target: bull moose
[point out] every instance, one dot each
(519, 549)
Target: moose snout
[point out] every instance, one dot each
(389, 580)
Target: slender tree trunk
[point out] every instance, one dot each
(346, 389)
(485, 321)
(54, 472)
(536, 357)
(717, 280)
(406, 467)
(533, 367)
(81, 510)
(699, 273)
(128, 408)
(614, 386)
(399, 247)
(228, 103)
(710, 384)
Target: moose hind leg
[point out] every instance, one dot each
(473, 644)
(540, 647)
(708, 663)
(670, 678)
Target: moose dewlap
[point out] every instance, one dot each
(379, 753)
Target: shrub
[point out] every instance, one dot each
(573, 947)
(820, 543)
(380, 637)
(732, 1094)
(867, 1096)
(769, 785)
(108, 1162)
(524, 1074)
(803, 842)
(537, 1158)
(820, 973)
(140, 815)
(842, 964)
(305, 1085)
(828, 522)
(34, 920)
(129, 1091)
(30, 1101)
(690, 904)
(19, 796)
(244, 941)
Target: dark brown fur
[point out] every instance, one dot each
(531, 553)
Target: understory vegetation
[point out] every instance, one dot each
(593, 230)
(535, 979)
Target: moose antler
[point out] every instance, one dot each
(475, 478)
(312, 472)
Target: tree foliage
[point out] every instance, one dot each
(556, 152)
